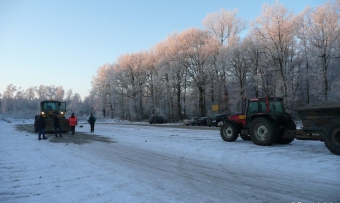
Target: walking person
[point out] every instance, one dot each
(92, 120)
(56, 123)
(72, 121)
(41, 124)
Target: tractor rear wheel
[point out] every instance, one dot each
(263, 131)
(228, 132)
(332, 137)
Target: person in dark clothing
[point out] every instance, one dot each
(56, 123)
(41, 127)
(92, 120)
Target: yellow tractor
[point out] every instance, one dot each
(48, 109)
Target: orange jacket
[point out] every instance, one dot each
(72, 120)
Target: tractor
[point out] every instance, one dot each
(48, 109)
(265, 122)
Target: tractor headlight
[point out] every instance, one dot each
(42, 113)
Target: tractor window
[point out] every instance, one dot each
(262, 107)
(276, 106)
(253, 108)
(50, 106)
(62, 106)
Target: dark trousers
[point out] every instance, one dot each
(41, 131)
(92, 127)
(73, 128)
(55, 130)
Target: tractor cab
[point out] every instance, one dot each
(270, 106)
(48, 108)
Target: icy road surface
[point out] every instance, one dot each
(148, 163)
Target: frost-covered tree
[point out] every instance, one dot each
(68, 97)
(75, 104)
(275, 27)
(152, 83)
(59, 93)
(324, 32)
(19, 100)
(101, 88)
(30, 95)
(197, 47)
(302, 33)
(42, 92)
(238, 67)
(224, 25)
(8, 98)
(51, 92)
(173, 71)
(132, 78)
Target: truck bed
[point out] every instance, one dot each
(315, 117)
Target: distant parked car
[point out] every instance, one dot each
(217, 120)
(190, 121)
(157, 119)
(202, 121)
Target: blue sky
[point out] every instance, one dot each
(64, 42)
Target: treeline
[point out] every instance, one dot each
(294, 56)
(27, 102)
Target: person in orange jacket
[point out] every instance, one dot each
(72, 121)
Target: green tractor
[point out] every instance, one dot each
(48, 109)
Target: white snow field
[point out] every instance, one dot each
(161, 163)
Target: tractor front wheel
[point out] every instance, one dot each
(228, 132)
(263, 131)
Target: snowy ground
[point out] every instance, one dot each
(125, 162)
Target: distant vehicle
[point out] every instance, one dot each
(157, 119)
(190, 121)
(202, 121)
(48, 108)
(217, 120)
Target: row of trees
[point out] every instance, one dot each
(294, 56)
(27, 101)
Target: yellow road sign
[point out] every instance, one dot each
(215, 107)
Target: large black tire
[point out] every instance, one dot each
(263, 131)
(332, 137)
(290, 125)
(228, 132)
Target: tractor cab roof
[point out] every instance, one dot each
(265, 98)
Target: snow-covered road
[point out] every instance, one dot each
(134, 163)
